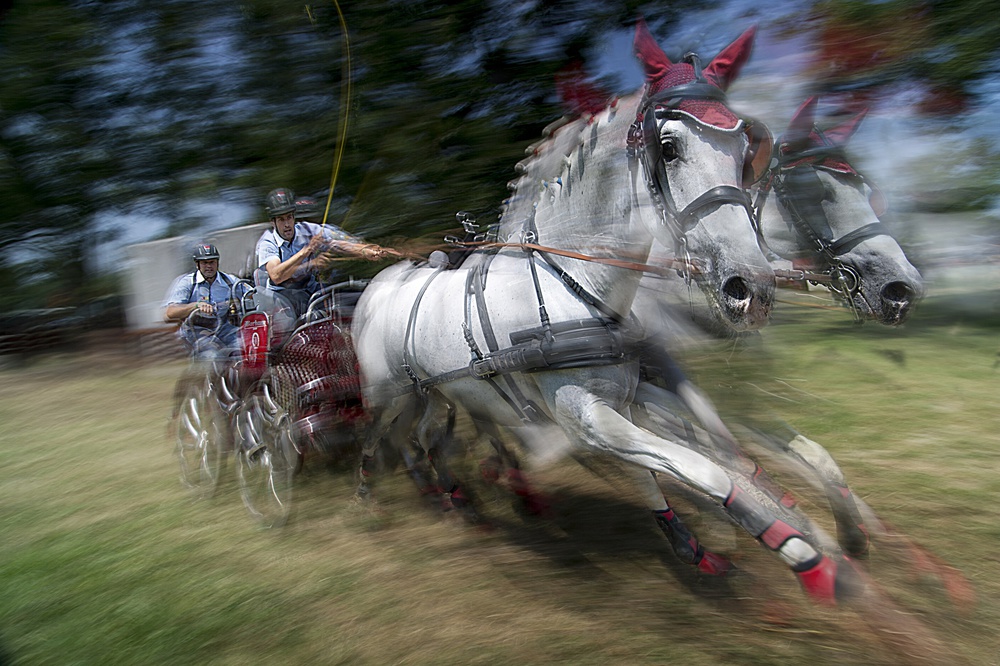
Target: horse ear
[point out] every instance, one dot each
(726, 66)
(843, 132)
(801, 125)
(655, 62)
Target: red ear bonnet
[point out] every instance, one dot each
(662, 74)
(802, 134)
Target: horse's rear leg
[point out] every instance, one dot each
(396, 417)
(436, 435)
(592, 421)
(507, 462)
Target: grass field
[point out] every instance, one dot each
(104, 559)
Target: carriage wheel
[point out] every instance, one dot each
(267, 461)
(199, 440)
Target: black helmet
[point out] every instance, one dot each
(205, 252)
(306, 208)
(279, 202)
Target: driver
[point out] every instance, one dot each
(291, 252)
(210, 292)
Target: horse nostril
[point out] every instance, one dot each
(737, 289)
(897, 292)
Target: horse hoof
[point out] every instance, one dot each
(857, 542)
(714, 564)
(829, 582)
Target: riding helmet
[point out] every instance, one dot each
(306, 208)
(279, 202)
(205, 252)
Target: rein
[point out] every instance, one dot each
(690, 266)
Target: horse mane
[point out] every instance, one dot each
(545, 163)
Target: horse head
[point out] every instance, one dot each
(683, 129)
(827, 214)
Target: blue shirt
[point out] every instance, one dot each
(193, 288)
(273, 245)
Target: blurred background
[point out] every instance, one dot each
(131, 122)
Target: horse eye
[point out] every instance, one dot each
(669, 150)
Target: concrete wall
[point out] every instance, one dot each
(153, 266)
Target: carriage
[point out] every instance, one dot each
(289, 394)
(305, 400)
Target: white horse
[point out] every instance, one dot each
(823, 210)
(649, 166)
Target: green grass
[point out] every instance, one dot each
(104, 559)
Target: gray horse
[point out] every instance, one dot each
(666, 164)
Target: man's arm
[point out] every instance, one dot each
(176, 304)
(180, 311)
(282, 271)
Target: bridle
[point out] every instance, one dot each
(645, 149)
(800, 191)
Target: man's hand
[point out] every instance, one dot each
(318, 244)
(321, 262)
(374, 252)
(206, 308)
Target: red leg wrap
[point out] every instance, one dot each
(820, 580)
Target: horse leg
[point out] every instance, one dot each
(852, 533)
(628, 478)
(531, 500)
(437, 441)
(701, 407)
(591, 420)
(384, 418)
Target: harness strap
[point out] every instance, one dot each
(850, 240)
(409, 330)
(524, 408)
(582, 293)
(717, 196)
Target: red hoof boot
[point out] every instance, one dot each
(460, 500)
(536, 505)
(490, 469)
(829, 582)
(714, 564)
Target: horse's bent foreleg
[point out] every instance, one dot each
(724, 445)
(852, 532)
(592, 421)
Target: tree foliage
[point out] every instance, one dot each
(144, 109)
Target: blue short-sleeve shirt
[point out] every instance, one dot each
(273, 245)
(193, 288)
